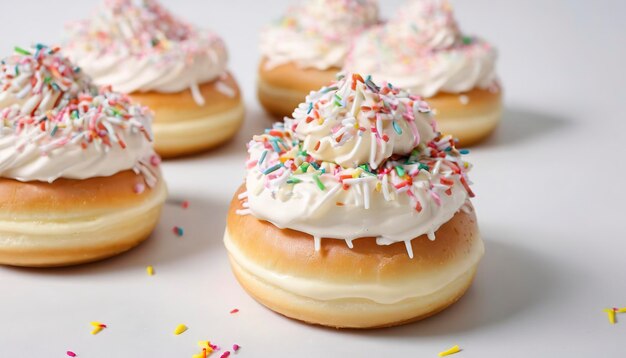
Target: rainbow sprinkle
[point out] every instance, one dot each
(432, 169)
(52, 105)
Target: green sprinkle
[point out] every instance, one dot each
(293, 180)
(319, 182)
(467, 40)
(400, 171)
(54, 131)
(304, 167)
(315, 165)
(424, 167)
(21, 51)
(272, 169)
(47, 80)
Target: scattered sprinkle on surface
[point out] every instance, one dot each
(150, 270)
(178, 231)
(180, 329)
(70, 354)
(611, 315)
(453, 350)
(236, 347)
(236, 310)
(97, 327)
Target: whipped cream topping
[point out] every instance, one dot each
(423, 50)
(317, 33)
(54, 123)
(138, 46)
(382, 170)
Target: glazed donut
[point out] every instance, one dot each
(307, 48)
(355, 212)
(336, 285)
(176, 69)
(437, 61)
(79, 180)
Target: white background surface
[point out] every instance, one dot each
(550, 188)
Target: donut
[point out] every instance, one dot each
(182, 127)
(306, 48)
(174, 68)
(355, 212)
(422, 50)
(79, 179)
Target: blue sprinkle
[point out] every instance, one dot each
(397, 128)
(310, 108)
(275, 145)
(262, 157)
(464, 151)
(272, 169)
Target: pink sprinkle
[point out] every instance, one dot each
(214, 347)
(234, 311)
(155, 160)
(236, 347)
(71, 354)
(139, 188)
(185, 204)
(225, 354)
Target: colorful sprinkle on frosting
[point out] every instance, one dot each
(342, 143)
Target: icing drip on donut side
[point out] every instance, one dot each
(313, 173)
(422, 49)
(140, 47)
(54, 123)
(317, 33)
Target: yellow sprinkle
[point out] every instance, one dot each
(611, 314)
(204, 344)
(379, 187)
(357, 173)
(150, 270)
(181, 328)
(97, 327)
(621, 310)
(450, 351)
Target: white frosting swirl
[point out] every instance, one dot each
(317, 33)
(142, 47)
(54, 123)
(407, 183)
(423, 50)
